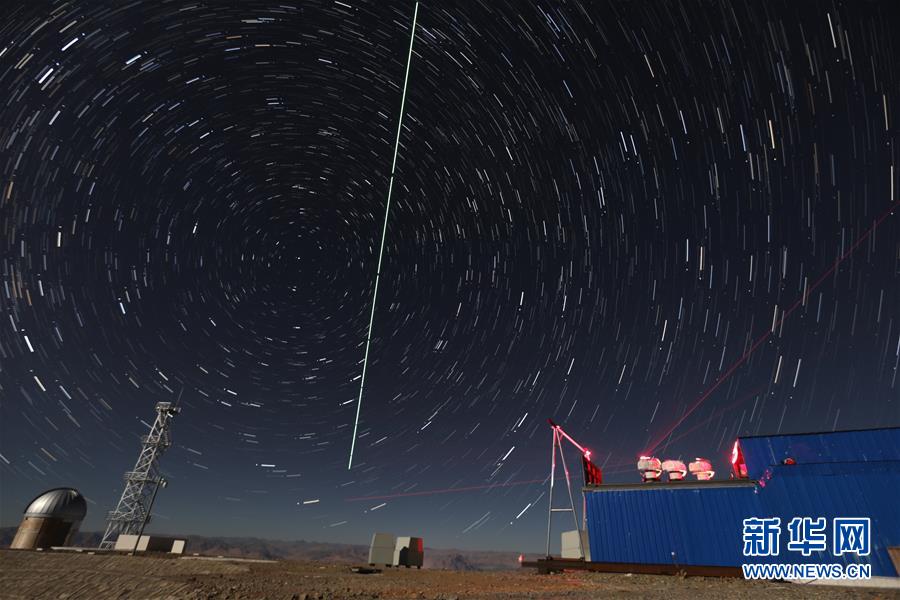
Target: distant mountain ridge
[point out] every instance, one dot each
(248, 547)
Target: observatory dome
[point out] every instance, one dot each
(65, 504)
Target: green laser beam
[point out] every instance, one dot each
(387, 210)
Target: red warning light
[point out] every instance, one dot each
(593, 475)
(738, 466)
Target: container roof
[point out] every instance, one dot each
(837, 431)
(687, 484)
(851, 446)
(59, 503)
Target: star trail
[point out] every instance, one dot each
(660, 224)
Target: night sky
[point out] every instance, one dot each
(662, 224)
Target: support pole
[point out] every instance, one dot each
(550, 501)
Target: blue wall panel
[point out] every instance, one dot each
(868, 489)
(647, 525)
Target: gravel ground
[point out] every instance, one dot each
(57, 575)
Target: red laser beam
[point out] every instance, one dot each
(471, 488)
(715, 414)
(768, 333)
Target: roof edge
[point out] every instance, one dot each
(860, 430)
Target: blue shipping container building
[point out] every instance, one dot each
(700, 523)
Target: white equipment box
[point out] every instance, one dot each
(570, 547)
(381, 551)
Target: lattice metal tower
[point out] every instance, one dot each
(133, 510)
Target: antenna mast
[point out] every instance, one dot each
(133, 510)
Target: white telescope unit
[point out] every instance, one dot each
(702, 469)
(675, 469)
(650, 468)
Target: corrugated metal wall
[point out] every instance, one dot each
(869, 489)
(702, 526)
(857, 474)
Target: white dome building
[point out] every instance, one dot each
(51, 519)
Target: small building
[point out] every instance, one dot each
(697, 525)
(51, 519)
(409, 552)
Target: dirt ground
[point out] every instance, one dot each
(57, 575)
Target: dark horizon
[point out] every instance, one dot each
(10, 530)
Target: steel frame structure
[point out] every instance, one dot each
(133, 510)
(558, 436)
